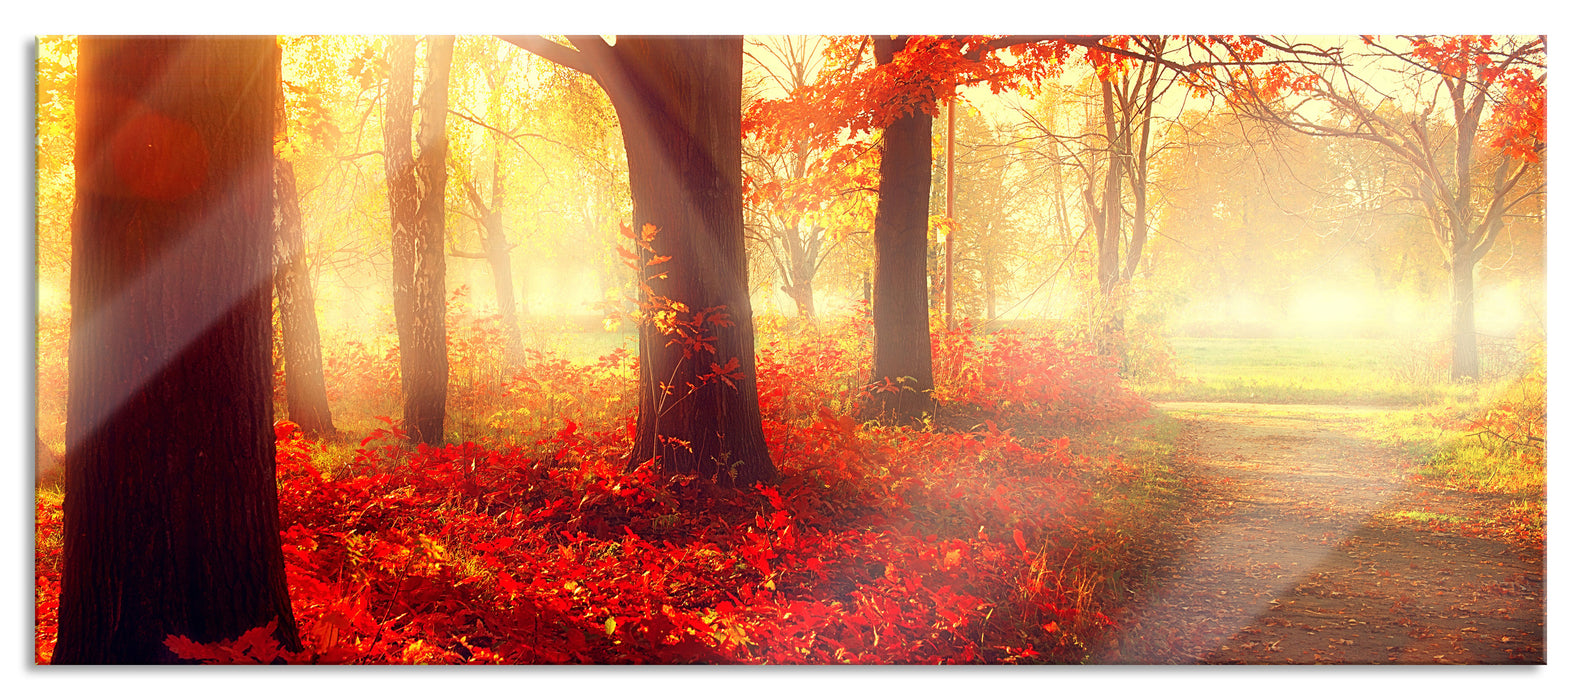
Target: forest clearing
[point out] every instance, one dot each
(860, 350)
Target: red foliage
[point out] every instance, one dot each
(880, 545)
(1036, 379)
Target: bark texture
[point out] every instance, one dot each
(903, 358)
(417, 216)
(171, 516)
(679, 102)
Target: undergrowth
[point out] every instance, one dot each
(1004, 539)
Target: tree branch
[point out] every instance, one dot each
(551, 51)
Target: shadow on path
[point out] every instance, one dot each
(1297, 555)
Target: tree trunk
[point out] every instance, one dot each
(1463, 327)
(401, 191)
(802, 252)
(1111, 313)
(307, 401)
(497, 250)
(1108, 220)
(417, 217)
(903, 372)
(990, 302)
(679, 103)
(171, 516)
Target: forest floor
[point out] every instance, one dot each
(1310, 544)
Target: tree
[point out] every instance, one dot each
(678, 100)
(1130, 93)
(488, 216)
(307, 401)
(1470, 123)
(903, 357)
(995, 195)
(417, 220)
(171, 525)
(899, 95)
(800, 205)
(1114, 153)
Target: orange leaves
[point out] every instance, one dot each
(1521, 118)
(1453, 55)
(1505, 74)
(853, 98)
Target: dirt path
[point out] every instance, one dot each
(1297, 554)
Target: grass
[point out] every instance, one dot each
(1381, 387)
(1419, 516)
(1300, 370)
(1133, 502)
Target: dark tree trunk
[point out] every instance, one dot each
(679, 102)
(307, 401)
(1463, 326)
(903, 359)
(171, 518)
(417, 215)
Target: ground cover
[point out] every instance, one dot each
(1006, 540)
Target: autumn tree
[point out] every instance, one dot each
(1112, 150)
(171, 525)
(307, 400)
(802, 200)
(1466, 114)
(678, 100)
(417, 220)
(897, 96)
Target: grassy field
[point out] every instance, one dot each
(1302, 370)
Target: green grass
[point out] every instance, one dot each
(1299, 370)
(1422, 517)
(1131, 504)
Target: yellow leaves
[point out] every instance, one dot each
(421, 652)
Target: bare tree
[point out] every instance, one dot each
(1466, 116)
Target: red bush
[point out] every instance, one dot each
(879, 545)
